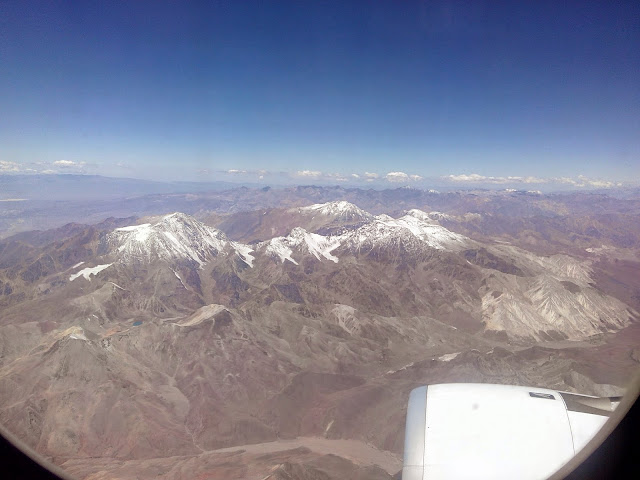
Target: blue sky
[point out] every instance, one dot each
(311, 92)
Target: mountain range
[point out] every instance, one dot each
(134, 340)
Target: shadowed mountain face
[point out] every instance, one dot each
(167, 337)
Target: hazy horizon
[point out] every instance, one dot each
(284, 180)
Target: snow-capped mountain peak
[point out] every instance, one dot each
(340, 209)
(416, 225)
(431, 233)
(173, 237)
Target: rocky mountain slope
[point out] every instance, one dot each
(166, 337)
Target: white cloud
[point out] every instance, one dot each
(568, 180)
(9, 166)
(308, 173)
(257, 174)
(517, 180)
(474, 177)
(69, 166)
(397, 177)
(355, 175)
(371, 175)
(50, 168)
(68, 163)
(533, 180)
(595, 182)
(581, 180)
(42, 167)
(600, 183)
(337, 177)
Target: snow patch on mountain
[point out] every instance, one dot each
(140, 232)
(383, 217)
(244, 252)
(277, 247)
(87, 272)
(317, 245)
(428, 217)
(299, 239)
(179, 278)
(419, 214)
(439, 216)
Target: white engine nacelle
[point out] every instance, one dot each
(465, 431)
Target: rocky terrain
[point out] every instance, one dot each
(255, 343)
